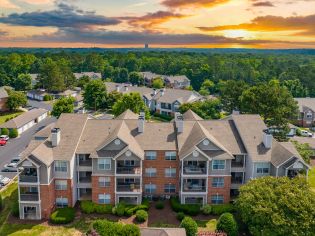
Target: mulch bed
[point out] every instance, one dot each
(165, 215)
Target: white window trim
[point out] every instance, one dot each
(61, 186)
(104, 158)
(59, 162)
(219, 160)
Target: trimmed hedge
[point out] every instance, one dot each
(189, 209)
(180, 216)
(132, 209)
(89, 207)
(16, 209)
(222, 208)
(107, 228)
(227, 224)
(4, 131)
(62, 216)
(141, 215)
(13, 133)
(206, 209)
(190, 226)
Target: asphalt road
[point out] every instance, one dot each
(38, 104)
(15, 146)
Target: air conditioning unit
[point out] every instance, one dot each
(167, 196)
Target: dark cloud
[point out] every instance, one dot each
(64, 16)
(262, 4)
(150, 20)
(193, 3)
(304, 24)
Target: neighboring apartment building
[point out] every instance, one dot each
(164, 101)
(3, 99)
(306, 114)
(91, 75)
(127, 158)
(176, 81)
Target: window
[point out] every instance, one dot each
(169, 188)
(170, 172)
(60, 166)
(218, 182)
(61, 184)
(104, 198)
(150, 155)
(62, 202)
(150, 188)
(104, 181)
(167, 106)
(129, 163)
(170, 156)
(104, 164)
(262, 168)
(217, 199)
(218, 164)
(150, 172)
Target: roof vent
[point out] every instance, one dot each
(55, 137)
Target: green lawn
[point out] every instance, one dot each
(8, 115)
(311, 178)
(205, 225)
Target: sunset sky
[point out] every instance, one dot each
(160, 23)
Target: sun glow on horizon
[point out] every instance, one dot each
(237, 34)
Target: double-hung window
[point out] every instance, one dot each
(104, 163)
(169, 188)
(218, 182)
(217, 199)
(104, 198)
(262, 168)
(61, 202)
(150, 155)
(61, 166)
(104, 181)
(150, 172)
(170, 172)
(150, 188)
(170, 156)
(61, 184)
(218, 164)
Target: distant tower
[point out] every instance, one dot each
(146, 46)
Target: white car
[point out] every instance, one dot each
(11, 167)
(305, 133)
(4, 137)
(4, 180)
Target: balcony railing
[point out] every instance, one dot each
(28, 178)
(87, 162)
(29, 197)
(195, 170)
(128, 188)
(194, 188)
(132, 170)
(237, 180)
(85, 180)
(237, 164)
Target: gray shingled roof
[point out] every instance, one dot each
(305, 103)
(162, 232)
(190, 115)
(127, 115)
(176, 78)
(3, 93)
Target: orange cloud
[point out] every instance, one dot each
(304, 24)
(193, 3)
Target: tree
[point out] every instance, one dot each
(277, 206)
(112, 98)
(304, 150)
(230, 93)
(270, 100)
(13, 133)
(68, 77)
(16, 100)
(83, 81)
(227, 224)
(4, 131)
(296, 88)
(208, 109)
(190, 226)
(136, 78)
(206, 87)
(94, 95)
(131, 101)
(63, 105)
(157, 83)
(23, 82)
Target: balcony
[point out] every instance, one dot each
(128, 167)
(28, 175)
(196, 168)
(128, 185)
(84, 177)
(238, 162)
(87, 162)
(29, 197)
(194, 185)
(237, 178)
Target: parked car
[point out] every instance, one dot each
(4, 180)
(15, 160)
(4, 137)
(11, 167)
(305, 133)
(3, 142)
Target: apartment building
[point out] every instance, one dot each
(164, 101)
(128, 158)
(306, 112)
(170, 81)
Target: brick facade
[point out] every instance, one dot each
(96, 189)
(3, 106)
(47, 193)
(160, 180)
(65, 193)
(225, 191)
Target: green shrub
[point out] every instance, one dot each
(227, 224)
(16, 209)
(206, 209)
(159, 205)
(89, 207)
(189, 209)
(222, 208)
(141, 215)
(13, 133)
(190, 226)
(4, 131)
(107, 228)
(62, 215)
(103, 209)
(146, 202)
(180, 216)
(0, 202)
(120, 209)
(48, 97)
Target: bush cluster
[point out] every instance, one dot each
(62, 215)
(206, 209)
(141, 215)
(107, 228)
(189, 209)
(227, 224)
(16, 209)
(4, 131)
(222, 208)
(190, 226)
(129, 210)
(89, 207)
(159, 205)
(48, 97)
(180, 216)
(13, 133)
